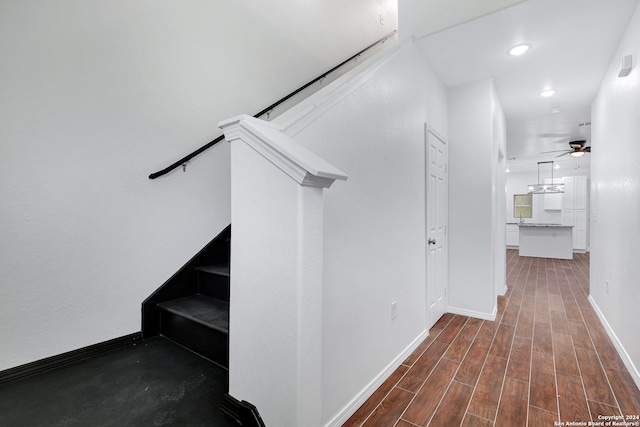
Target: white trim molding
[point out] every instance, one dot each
(628, 363)
(366, 393)
(476, 314)
(305, 167)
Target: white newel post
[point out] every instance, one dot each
(275, 337)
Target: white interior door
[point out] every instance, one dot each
(436, 221)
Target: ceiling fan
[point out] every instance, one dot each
(577, 149)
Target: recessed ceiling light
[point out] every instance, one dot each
(547, 93)
(519, 49)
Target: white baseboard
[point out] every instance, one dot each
(628, 363)
(357, 401)
(476, 314)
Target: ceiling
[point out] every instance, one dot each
(572, 43)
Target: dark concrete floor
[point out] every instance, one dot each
(152, 383)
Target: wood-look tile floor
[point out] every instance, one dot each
(546, 359)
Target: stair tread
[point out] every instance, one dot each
(214, 269)
(210, 312)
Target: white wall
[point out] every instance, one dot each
(420, 18)
(475, 202)
(372, 128)
(615, 199)
(499, 150)
(266, 321)
(97, 95)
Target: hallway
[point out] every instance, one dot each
(546, 358)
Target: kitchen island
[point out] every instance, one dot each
(546, 240)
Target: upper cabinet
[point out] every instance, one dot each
(581, 193)
(569, 188)
(553, 201)
(574, 210)
(575, 192)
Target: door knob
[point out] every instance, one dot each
(431, 241)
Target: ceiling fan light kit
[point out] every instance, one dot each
(577, 149)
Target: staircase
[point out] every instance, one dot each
(200, 321)
(192, 308)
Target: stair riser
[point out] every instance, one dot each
(213, 285)
(184, 281)
(207, 342)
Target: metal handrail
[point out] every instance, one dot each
(208, 145)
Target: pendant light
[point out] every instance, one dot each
(541, 188)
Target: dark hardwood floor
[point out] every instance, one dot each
(151, 383)
(546, 359)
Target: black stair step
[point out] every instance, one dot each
(222, 270)
(207, 311)
(200, 323)
(213, 281)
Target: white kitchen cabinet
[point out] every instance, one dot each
(513, 235)
(576, 192)
(546, 241)
(580, 193)
(553, 201)
(568, 217)
(580, 230)
(569, 190)
(574, 210)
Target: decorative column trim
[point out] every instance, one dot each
(305, 167)
(269, 212)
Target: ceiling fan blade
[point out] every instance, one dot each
(553, 135)
(564, 154)
(587, 149)
(555, 151)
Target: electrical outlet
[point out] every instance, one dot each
(394, 310)
(607, 287)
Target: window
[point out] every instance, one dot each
(522, 206)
